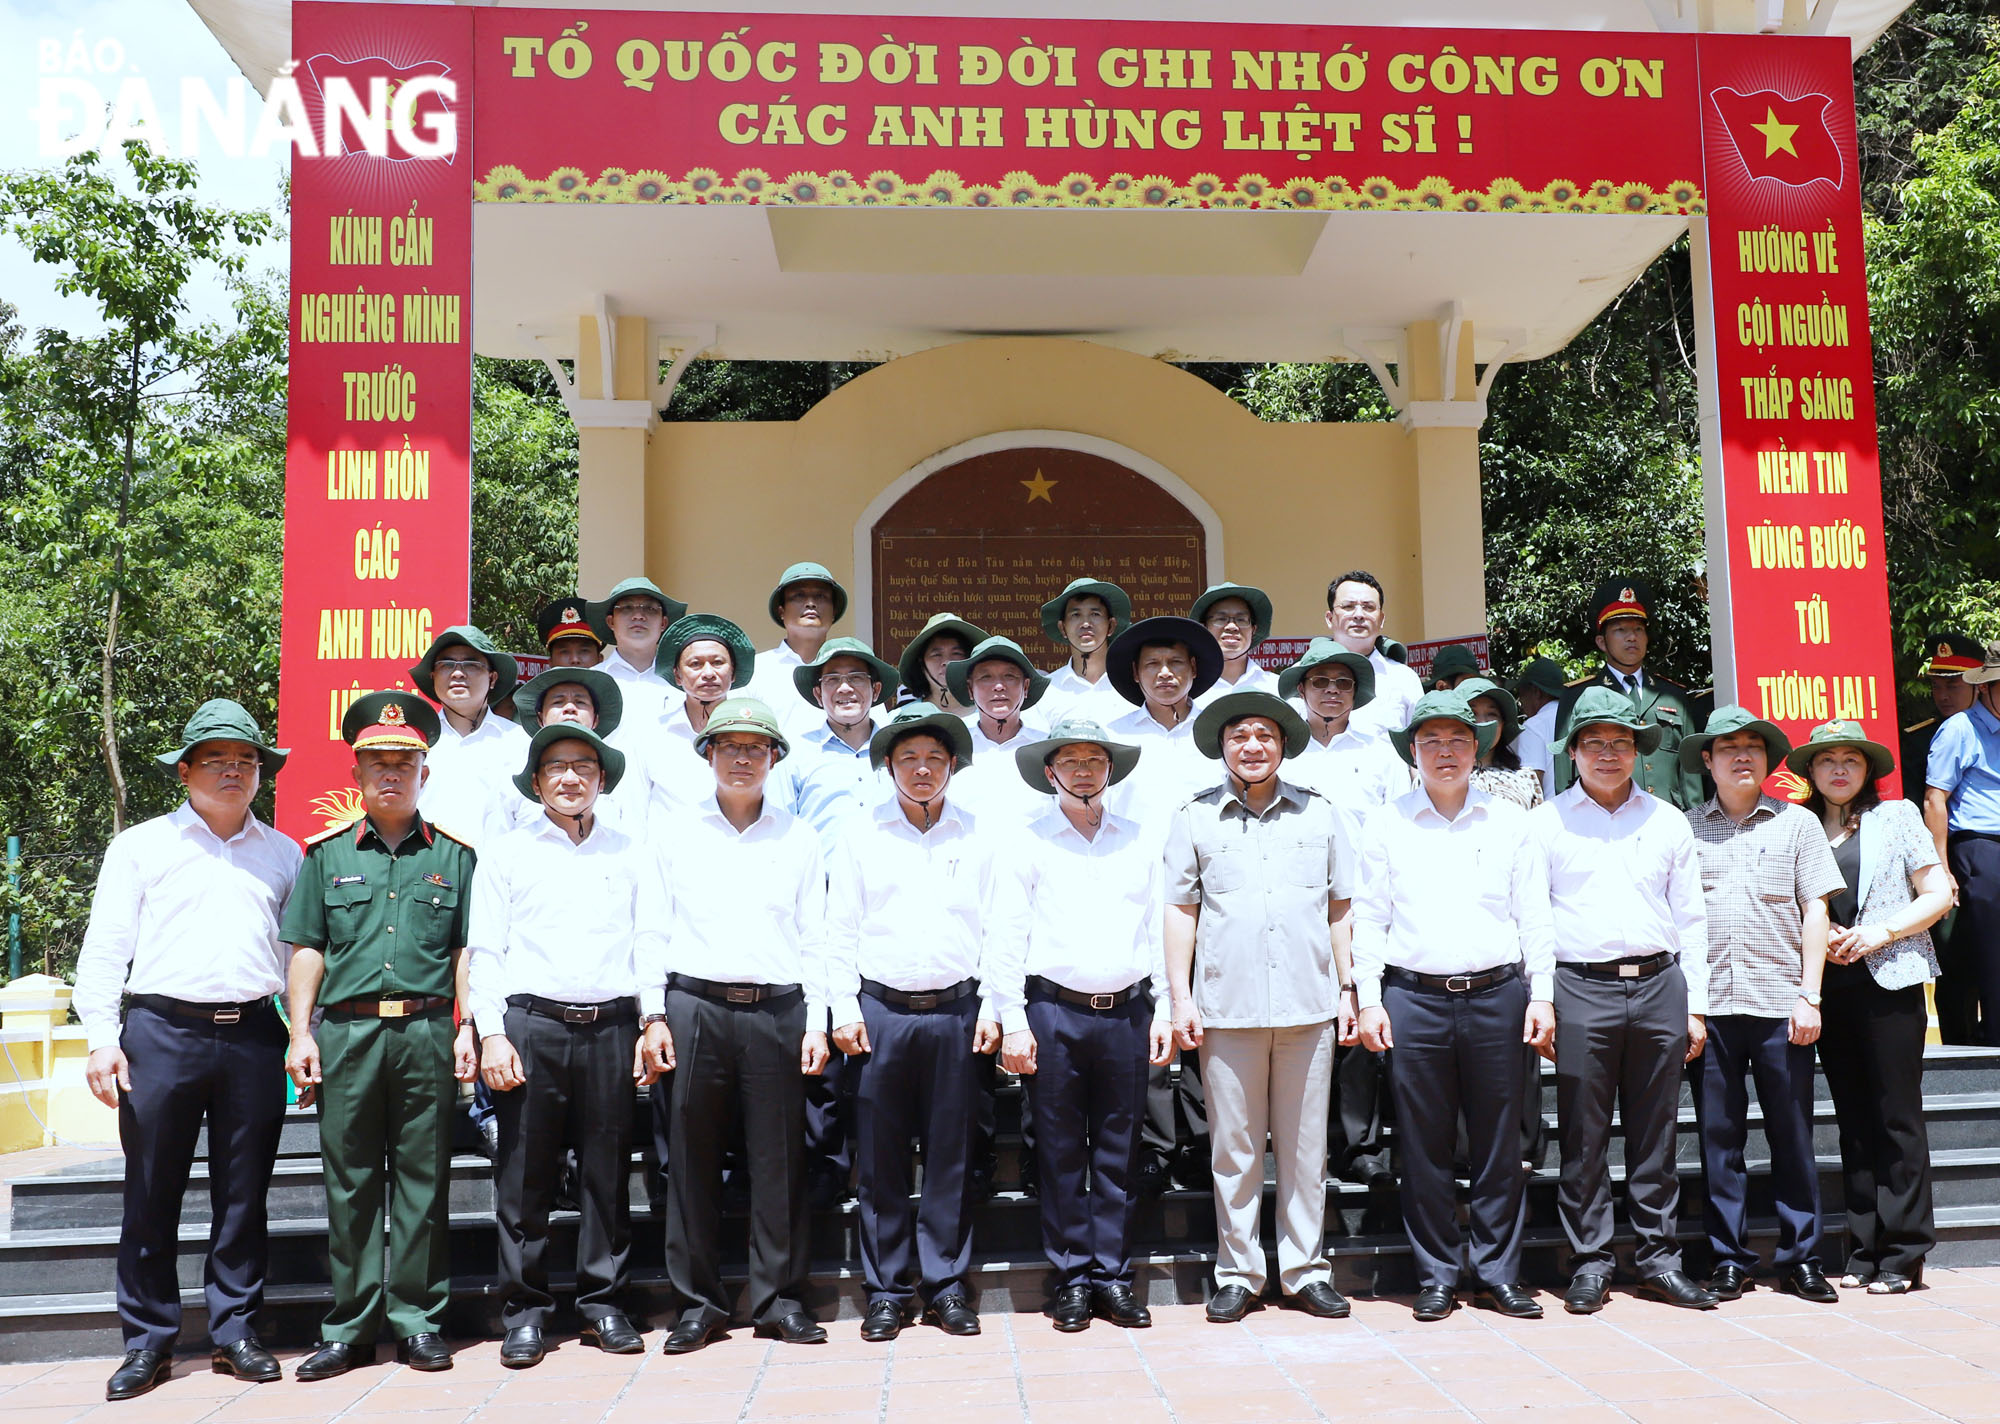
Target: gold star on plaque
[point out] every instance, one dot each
(1038, 488)
(1777, 136)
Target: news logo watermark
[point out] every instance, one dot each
(90, 95)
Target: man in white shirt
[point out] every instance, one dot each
(1539, 690)
(564, 946)
(806, 603)
(1354, 606)
(907, 1011)
(1005, 692)
(704, 658)
(1075, 957)
(746, 1000)
(1084, 618)
(630, 619)
(1453, 960)
(828, 776)
(185, 920)
(925, 665)
(1239, 618)
(477, 751)
(588, 697)
(1631, 996)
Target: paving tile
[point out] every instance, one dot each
(1339, 1401)
(1263, 1407)
(1493, 1394)
(1856, 1404)
(1010, 1413)
(682, 1409)
(1128, 1411)
(1651, 1384)
(944, 1395)
(1104, 1385)
(1957, 1401)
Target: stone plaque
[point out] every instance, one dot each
(994, 537)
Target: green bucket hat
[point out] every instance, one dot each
(1214, 720)
(599, 610)
(1031, 760)
(694, 628)
(958, 676)
(807, 573)
(1114, 598)
(914, 717)
(910, 667)
(390, 719)
(1448, 704)
(1259, 601)
(1330, 650)
(1544, 675)
(220, 720)
(603, 688)
(1121, 659)
(1721, 722)
(506, 672)
(805, 677)
(1841, 733)
(608, 757)
(1453, 660)
(1510, 710)
(742, 714)
(1608, 704)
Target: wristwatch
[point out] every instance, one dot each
(650, 1019)
(1812, 999)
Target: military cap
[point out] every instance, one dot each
(383, 720)
(1952, 655)
(566, 618)
(1620, 597)
(743, 714)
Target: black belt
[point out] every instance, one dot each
(1041, 988)
(1454, 983)
(626, 1008)
(1952, 837)
(390, 1006)
(1644, 967)
(732, 993)
(207, 1013)
(923, 1001)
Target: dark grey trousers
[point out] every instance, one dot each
(1619, 1042)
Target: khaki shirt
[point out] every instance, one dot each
(1263, 952)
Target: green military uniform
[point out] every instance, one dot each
(389, 922)
(1660, 702)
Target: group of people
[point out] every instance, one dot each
(1176, 894)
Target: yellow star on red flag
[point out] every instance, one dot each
(1777, 136)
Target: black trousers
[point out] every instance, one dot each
(738, 1063)
(1089, 1098)
(1623, 1043)
(577, 1097)
(1460, 1054)
(1871, 1047)
(1174, 1135)
(1975, 937)
(1742, 1047)
(185, 1070)
(919, 1080)
(830, 1124)
(1362, 1106)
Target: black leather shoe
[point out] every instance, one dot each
(1729, 1283)
(1321, 1299)
(332, 1359)
(953, 1316)
(690, 1334)
(614, 1335)
(1807, 1282)
(1229, 1305)
(1585, 1295)
(1510, 1300)
(521, 1348)
(884, 1321)
(424, 1351)
(138, 1372)
(1120, 1305)
(1676, 1289)
(247, 1359)
(1434, 1303)
(798, 1328)
(1072, 1309)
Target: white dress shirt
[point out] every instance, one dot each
(471, 792)
(575, 921)
(1357, 769)
(180, 912)
(1069, 695)
(1256, 678)
(646, 694)
(1624, 884)
(992, 788)
(1397, 689)
(1170, 770)
(1536, 747)
(771, 681)
(747, 907)
(1084, 913)
(677, 775)
(1455, 896)
(907, 908)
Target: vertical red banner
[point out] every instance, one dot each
(378, 469)
(1797, 586)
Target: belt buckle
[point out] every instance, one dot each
(391, 1008)
(579, 1013)
(740, 994)
(1458, 983)
(228, 1016)
(1104, 1001)
(1628, 971)
(921, 1001)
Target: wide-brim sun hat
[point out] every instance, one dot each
(704, 627)
(1123, 653)
(506, 672)
(1841, 733)
(1213, 720)
(915, 717)
(910, 666)
(805, 677)
(807, 573)
(221, 720)
(1321, 651)
(1728, 719)
(958, 676)
(1115, 598)
(1607, 704)
(598, 610)
(610, 760)
(605, 697)
(1474, 688)
(1447, 706)
(1259, 601)
(1032, 760)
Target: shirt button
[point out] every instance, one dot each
(392, 929)
(392, 894)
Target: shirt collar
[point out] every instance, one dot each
(366, 831)
(1578, 798)
(769, 815)
(826, 739)
(1286, 792)
(1983, 719)
(889, 812)
(1052, 822)
(598, 835)
(187, 819)
(1418, 801)
(1763, 810)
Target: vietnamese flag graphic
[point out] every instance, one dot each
(425, 114)
(1785, 139)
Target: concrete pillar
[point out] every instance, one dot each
(614, 420)
(1443, 419)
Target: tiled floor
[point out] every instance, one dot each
(1928, 1356)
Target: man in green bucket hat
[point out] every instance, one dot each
(185, 922)
(805, 602)
(828, 775)
(1083, 619)
(1239, 617)
(476, 750)
(629, 620)
(1453, 664)
(1006, 692)
(927, 658)
(706, 659)
(1539, 690)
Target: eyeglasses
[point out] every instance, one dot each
(1598, 746)
(468, 666)
(634, 607)
(1446, 744)
(578, 768)
(741, 751)
(221, 764)
(1330, 684)
(846, 679)
(1082, 763)
(1231, 620)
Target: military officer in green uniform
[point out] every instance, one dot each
(378, 923)
(1621, 622)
